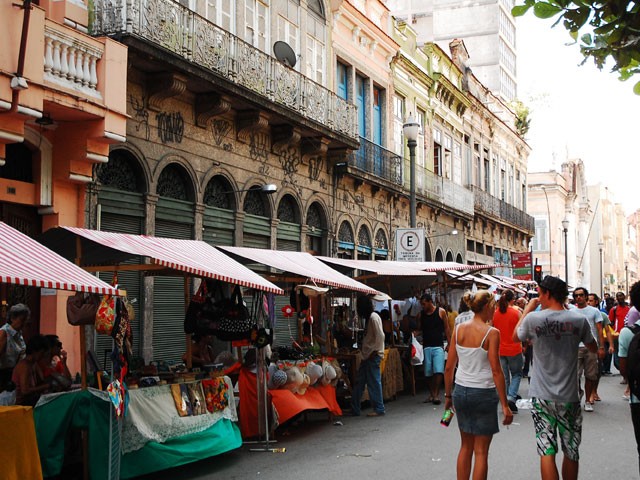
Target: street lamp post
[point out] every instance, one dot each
(411, 129)
(452, 232)
(626, 278)
(565, 230)
(601, 247)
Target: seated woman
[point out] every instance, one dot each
(201, 350)
(54, 365)
(27, 375)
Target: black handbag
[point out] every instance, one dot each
(231, 319)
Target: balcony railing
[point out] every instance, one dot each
(180, 30)
(440, 191)
(378, 161)
(494, 207)
(70, 61)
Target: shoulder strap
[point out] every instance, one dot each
(485, 336)
(455, 334)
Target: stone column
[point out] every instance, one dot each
(146, 324)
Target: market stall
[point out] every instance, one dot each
(185, 439)
(296, 267)
(23, 261)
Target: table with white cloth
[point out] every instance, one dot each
(155, 437)
(151, 437)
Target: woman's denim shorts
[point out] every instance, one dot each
(476, 410)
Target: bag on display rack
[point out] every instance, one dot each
(82, 308)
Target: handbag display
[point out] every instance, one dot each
(106, 313)
(82, 308)
(233, 320)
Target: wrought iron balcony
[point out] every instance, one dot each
(378, 161)
(440, 191)
(178, 29)
(491, 206)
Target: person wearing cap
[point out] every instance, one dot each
(372, 353)
(555, 333)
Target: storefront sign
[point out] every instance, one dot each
(521, 264)
(410, 244)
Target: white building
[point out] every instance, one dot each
(487, 28)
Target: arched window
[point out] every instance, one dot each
(345, 233)
(381, 246)
(219, 193)
(316, 230)
(288, 210)
(174, 183)
(364, 243)
(254, 203)
(449, 257)
(121, 172)
(315, 217)
(459, 258)
(439, 256)
(428, 257)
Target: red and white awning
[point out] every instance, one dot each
(192, 256)
(442, 266)
(23, 261)
(302, 264)
(396, 269)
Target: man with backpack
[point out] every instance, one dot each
(629, 355)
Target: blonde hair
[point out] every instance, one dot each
(479, 300)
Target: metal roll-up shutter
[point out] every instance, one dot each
(218, 226)
(285, 327)
(168, 294)
(123, 216)
(288, 236)
(256, 232)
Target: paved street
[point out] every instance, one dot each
(409, 442)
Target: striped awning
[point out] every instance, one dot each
(23, 261)
(396, 269)
(302, 264)
(192, 256)
(443, 266)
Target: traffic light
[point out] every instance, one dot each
(537, 273)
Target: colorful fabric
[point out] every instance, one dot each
(216, 394)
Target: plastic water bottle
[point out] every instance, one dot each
(446, 417)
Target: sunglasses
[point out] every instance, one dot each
(575, 295)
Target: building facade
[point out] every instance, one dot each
(61, 105)
(487, 28)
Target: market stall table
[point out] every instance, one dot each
(153, 436)
(286, 403)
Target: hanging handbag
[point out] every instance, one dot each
(233, 320)
(106, 313)
(82, 308)
(193, 316)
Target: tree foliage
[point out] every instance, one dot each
(523, 121)
(605, 29)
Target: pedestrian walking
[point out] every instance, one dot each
(479, 385)
(555, 333)
(505, 320)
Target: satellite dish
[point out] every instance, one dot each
(284, 53)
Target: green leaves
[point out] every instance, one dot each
(545, 10)
(613, 30)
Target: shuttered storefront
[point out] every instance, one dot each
(219, 226)
(122, 212)
(174, 219)
(288, 236)
(257, 232)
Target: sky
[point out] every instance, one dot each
(578, 111)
